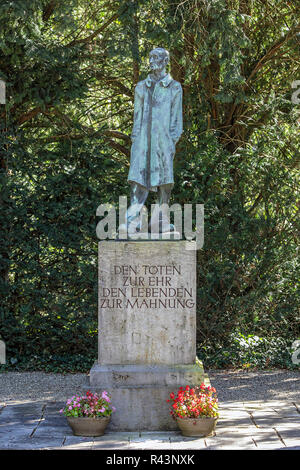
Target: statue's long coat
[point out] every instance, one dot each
(156, 129)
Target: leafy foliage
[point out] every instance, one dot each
(70, 70)
(249, 352)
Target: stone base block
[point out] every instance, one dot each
(139, 392)
(155, 236)
(147, 302)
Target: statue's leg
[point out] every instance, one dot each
(160, 221)
(164, 194)
(138, 196)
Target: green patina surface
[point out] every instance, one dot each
(157, 127)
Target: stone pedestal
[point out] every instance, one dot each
(147, 329)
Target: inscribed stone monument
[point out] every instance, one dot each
(147, 329)
(147, 289)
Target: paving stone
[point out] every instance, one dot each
(122, 435)
(224, 413)
(224, 442)
(78, 442)
(270, 413)
(184, 442)
(152, 445)
(109, 442)
(197, 445)
(267, 440)
(273, 422)
(25, 415)
(260, 405)
(178, 441)
(288, 411)
(289, 426)
(76, 447)
(279, 428)
(150, 440)
(236, 413)
(176, 436)
(33, 444)
(228, 403)
(234, 423)
(291, 437)
(235, 432)
(291, 448)
(145, 436)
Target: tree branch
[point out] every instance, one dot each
(115, 83)
(48, 10)
(270, 53)
(91, 131)
(117, 135)
(115, 145)
(95, 33)
(30, 115)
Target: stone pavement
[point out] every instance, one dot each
(254, 425)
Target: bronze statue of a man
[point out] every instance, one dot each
(157, 128)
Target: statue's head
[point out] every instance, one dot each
(158, 58)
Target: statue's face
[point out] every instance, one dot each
(157, 60)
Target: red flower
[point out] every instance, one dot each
(198, 401)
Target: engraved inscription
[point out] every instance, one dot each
(147, 287)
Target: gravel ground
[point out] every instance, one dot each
(231, 385)
(237, 385)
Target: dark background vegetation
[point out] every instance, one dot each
(70, 69)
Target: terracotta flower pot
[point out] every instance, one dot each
(196, 427)
(88, 426)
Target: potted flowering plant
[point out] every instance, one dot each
(195, 409)
(88, 415)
